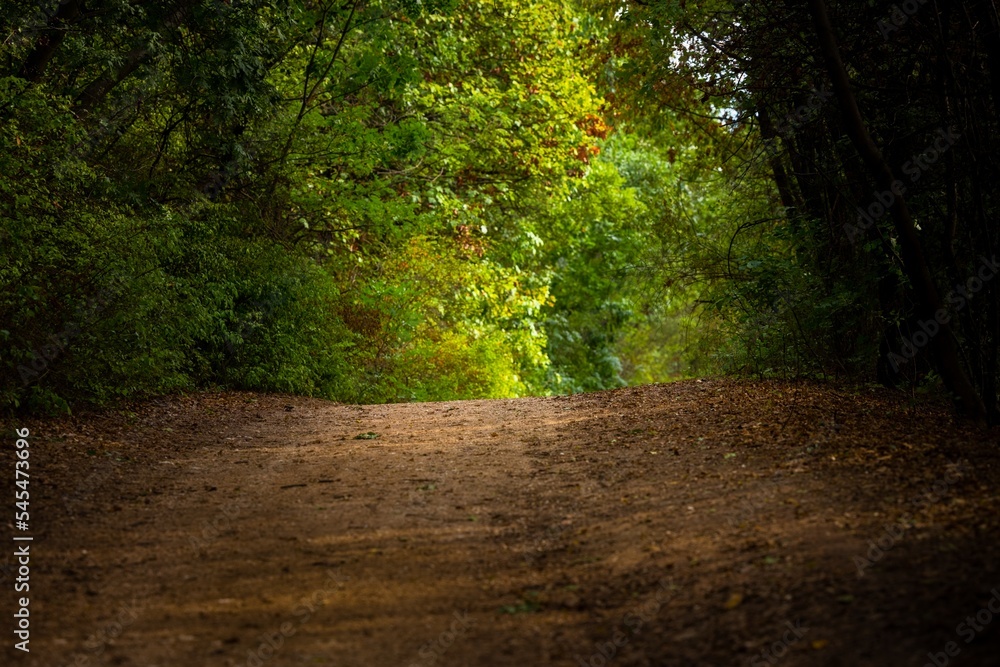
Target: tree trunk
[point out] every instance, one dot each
(943, 348)
(104, 84)
(50, 39)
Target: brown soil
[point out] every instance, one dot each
(693, 524)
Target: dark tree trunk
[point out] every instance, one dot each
(98, 89)
(942, 345)
(48, 42)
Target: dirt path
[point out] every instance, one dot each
(699, 523)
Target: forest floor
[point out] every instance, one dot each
(707, 522)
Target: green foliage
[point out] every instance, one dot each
(392, 201)
(370, 202)
(595, 242)
(438, 325)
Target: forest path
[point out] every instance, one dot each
(698, 523)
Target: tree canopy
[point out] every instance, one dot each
(388, 200)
